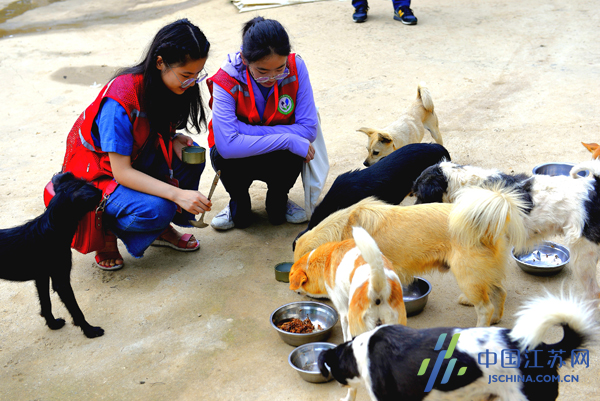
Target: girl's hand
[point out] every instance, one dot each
(179, 142)
(193, 201)
(311, 154)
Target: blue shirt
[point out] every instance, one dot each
(112, 130)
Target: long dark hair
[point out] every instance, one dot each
(177, 43)
(263, 37)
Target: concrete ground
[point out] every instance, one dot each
(514, 83)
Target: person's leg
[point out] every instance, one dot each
(403, 12)
(137, 218)
(279, 170)
(360, 10)
(236, 176)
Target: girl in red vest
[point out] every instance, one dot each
(264, 120)
(126, 144)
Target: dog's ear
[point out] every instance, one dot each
(590, 146)
(368, 131)
(322, 363)
(594, 148)
(297, 275)
(384, 137)
(62, 177)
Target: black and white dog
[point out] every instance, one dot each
(395, 362)
(49, 236)
(560, 205)
(390, 180)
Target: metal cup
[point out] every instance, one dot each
(193, 154)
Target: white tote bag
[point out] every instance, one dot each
(314, 173)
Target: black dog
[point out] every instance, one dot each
(401, 363)
(49, 236)
(390, 180)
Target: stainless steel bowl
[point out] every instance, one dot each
(282, 272)
(318, 313)
(545, 259)
(193, 154)
(557, 169)
(415, 296)
(304, 360)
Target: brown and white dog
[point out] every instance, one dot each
(409, 128)
(470, 238)
(358, 279)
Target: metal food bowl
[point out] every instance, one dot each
(557, 169)
(318, 313)
(545, 259)
(415, 296)
(282, 272)
(305, 358)
(193, 154)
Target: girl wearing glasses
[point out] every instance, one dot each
(264, 120)
(126, 143)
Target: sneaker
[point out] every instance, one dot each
(294, 213)
(223, 221)
(405, 15)
(360, 14)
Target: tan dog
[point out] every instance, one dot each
(470, 237)
(409, 128)
(594, 148)
(358, 279)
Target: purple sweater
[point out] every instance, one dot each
(235, 139)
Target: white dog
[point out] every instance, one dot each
(465, 364)
(559, 205)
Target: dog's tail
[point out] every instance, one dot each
(486, 214)
(425, 96)
(577, 316)
(373, 256)
(589, 167)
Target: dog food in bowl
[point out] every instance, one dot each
(299, 326)
(545, 259)
(318, 313)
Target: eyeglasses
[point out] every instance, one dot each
(201, 77)
(262, 80)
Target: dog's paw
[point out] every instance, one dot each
(463, 300)
(93, 332)
(56, 323)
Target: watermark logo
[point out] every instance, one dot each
(444, 354)
(514, 358)
(511, 358)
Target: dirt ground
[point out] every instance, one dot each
(514, 83)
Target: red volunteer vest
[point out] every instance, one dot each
(82, 157)
(278, 108)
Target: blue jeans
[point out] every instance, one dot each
(395, 3)
(138, 218)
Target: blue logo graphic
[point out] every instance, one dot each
(444, 354)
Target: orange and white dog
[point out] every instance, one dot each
(470, 238)
(359, 280)
(408, 128)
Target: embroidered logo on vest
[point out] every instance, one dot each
(286, 104)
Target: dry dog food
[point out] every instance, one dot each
(299, 326)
